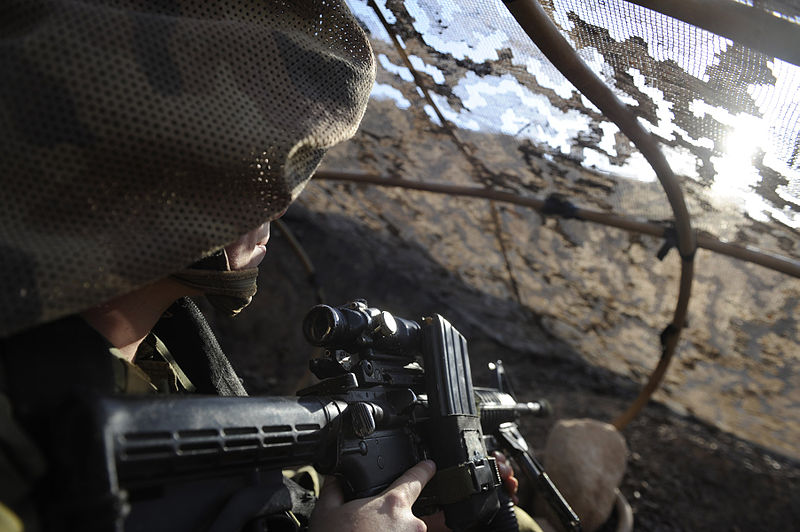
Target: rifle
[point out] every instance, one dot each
(375, 413)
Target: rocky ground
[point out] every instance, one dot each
(683, 474)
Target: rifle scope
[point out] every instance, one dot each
(355, 327)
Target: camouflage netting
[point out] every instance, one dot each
(137, 137)
(728, 118)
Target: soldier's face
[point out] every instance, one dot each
(249, 250)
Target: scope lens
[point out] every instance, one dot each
(320, 324)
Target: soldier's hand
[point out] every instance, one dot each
(510, 482)
(436, 522)
(391, 510)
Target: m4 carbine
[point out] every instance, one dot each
(393, 392)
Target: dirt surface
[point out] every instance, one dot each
(601, 290)
(683, 474)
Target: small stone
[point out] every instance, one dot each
(586, 460)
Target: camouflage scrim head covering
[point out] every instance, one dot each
(138, 136)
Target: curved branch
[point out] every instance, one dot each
(544, 33)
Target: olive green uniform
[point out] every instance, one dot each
(43, 368)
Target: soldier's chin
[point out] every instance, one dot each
(259, 252)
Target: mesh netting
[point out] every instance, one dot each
(727, 118)
(137, 137)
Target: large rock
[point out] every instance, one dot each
(586, 460)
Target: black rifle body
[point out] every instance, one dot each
(189, 463)
(153, 447)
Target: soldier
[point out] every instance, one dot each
(146, 146)
(137, 138)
